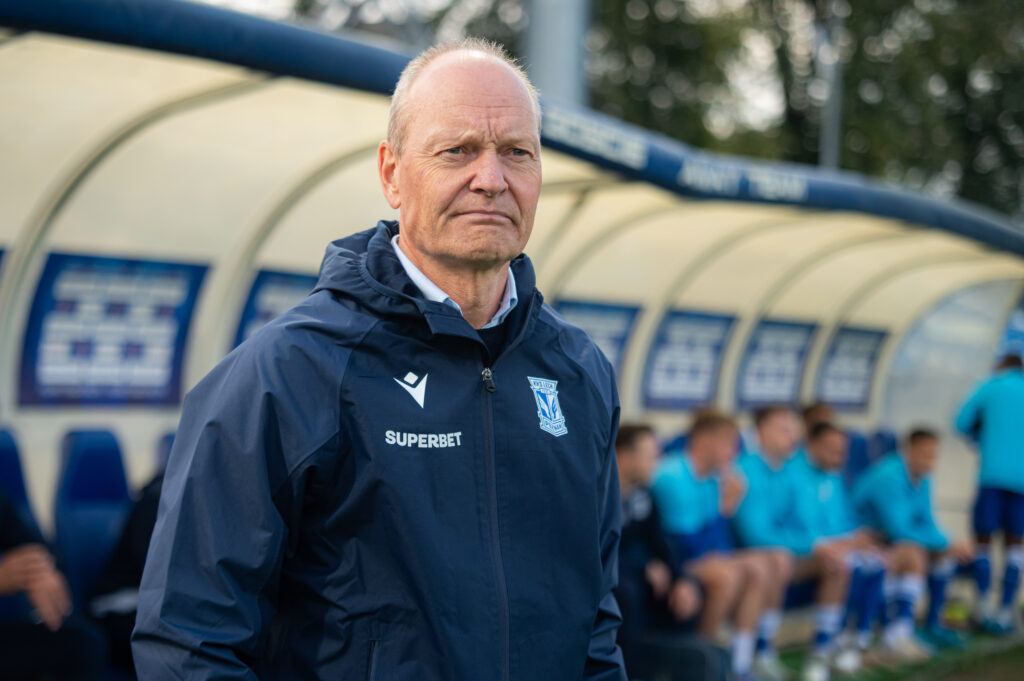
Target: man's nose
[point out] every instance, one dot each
(488, 174)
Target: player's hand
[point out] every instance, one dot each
(659, 577)
(684, 601)
(29, 568)
(962, 552)
(19, 565)
(48, 594)
(732, 490)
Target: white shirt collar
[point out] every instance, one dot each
(433, 292)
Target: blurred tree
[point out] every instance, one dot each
(932, 90)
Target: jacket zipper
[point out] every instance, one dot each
(492, 484)
(371, 670)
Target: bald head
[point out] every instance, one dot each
(435, 69)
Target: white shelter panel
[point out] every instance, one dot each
(199, 181)
(752, 265)
(61, 98)
(348, 201)
(641, 260)
(825, 286)
(603, 213)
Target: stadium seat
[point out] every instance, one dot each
(883, 442)
(676, 444)
(12, 482)
(91, 506)
(858, 457)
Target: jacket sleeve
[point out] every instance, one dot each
(604, 658)
(209, 587)
(968, 419)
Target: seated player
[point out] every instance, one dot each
(819, 527)
(763, 518)
(696, 494)
(894, 498)
(657, 599)
(44, 638)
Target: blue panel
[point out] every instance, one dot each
(108, 331)
(682, 365)
(773, 364)
(272, 294)
(608, 325)
(847, 372)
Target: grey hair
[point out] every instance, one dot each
(397, 114)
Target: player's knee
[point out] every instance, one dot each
(783, 565)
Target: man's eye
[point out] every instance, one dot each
(454, 150)
(520, 152)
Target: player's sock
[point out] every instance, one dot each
(871, 603)
(767, 630)
(742, 652)
(827, 619)
(1011, 576)
(938, 579)
(854, 597)
(908, 589)
(981, 570)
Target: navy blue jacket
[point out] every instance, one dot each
(317, 522)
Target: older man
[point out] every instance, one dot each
(411, 475)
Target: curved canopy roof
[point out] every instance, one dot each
(193, 135)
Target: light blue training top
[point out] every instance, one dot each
(993, 416)
(889, 500)
(762, 517)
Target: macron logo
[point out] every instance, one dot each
(415, 386)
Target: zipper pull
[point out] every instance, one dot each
(488, 378)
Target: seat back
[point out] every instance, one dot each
(858, 457)
(883, 442)
(91, 506)
(12, 480)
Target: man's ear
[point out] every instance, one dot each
(387, 168)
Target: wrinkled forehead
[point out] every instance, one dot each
(461, 91)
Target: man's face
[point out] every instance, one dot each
(467, 182)
(645, 453)
(921, 457)
(779, 433)
(722, 443)
(829, 450)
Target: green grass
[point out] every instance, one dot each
(986, 659)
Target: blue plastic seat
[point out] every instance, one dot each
(858, 457)
(91, 506)
(883, 442)
(12, 481)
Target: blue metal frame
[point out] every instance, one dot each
(221, 35)
(792, 393)
(250, 312)
(45, 302)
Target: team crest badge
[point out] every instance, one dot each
(545, 392)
